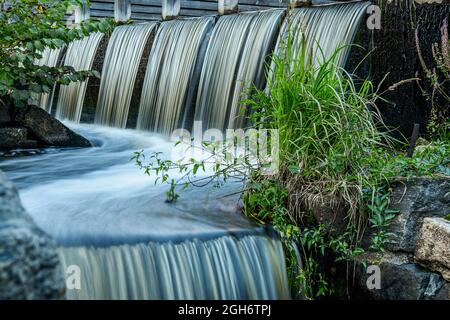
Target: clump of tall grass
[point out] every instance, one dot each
(327, 125)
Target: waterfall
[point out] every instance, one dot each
(324, 29)
(49, 58)
(120, 68)
(80, 55)
(108, 218)
(251, 267)
(170, 71)
(234, 60)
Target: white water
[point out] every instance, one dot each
(49, 58)
(249, 267)
(120, 68)
(234, 60)
(80, 55)
(323, 29)
(112, 221)
(169, 76)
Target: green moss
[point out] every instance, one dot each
(447, 217)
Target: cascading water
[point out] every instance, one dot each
(234, 60)
(170, 71)
(120, 68)
(111, 220)
(223, 268)
(80, 55)
(49, 58)
(323, 29)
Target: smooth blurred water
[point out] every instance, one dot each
(97, 196)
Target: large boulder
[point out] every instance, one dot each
(47, 130)
(415, 200)
(29, 264)
(401, 279)
(433, 246)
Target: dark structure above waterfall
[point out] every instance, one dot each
(144, 10)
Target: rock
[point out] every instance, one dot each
(433, 246)
(12, 137)
(444, 293)
(4, 112)
(416, 199)
(48, 130)
(29, 264)
(401, 279)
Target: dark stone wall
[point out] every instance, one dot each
(91, 95)
(394, 58)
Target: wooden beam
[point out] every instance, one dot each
(170, 9)
(82, 12)
(122, 10)
(228, 6)
(412, 142)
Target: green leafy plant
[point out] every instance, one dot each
(28, 27)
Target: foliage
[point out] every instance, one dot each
(28, 27)
(436, 90)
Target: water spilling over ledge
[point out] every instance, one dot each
(110, 219)
(251, 267)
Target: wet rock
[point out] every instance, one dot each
(47, 130)
(4, 112)
(401, 279)
(29, 264)
(417, 199)
(12, 137)
(433, 246)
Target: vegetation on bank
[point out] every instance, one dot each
(336, 158)
(28, 27)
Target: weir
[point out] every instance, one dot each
(108, 218)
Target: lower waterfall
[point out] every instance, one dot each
(251, 267)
